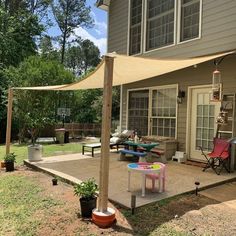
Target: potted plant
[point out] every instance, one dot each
(87, 190)
(9, 160)
(34, 122)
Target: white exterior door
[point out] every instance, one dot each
(202, 122)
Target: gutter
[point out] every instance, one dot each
(103, 4)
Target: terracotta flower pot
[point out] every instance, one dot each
(104, 219)
(3, 164)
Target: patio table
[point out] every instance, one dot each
(147, 146)
(144, 169)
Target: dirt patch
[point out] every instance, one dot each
(187, 214)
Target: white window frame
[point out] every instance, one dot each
(179, 25)
(129, 27)
(150, 104)
(145, 30)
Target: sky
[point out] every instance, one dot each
(97, 34)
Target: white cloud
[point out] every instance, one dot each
(99, 26)
(101, 43)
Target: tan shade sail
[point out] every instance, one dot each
(129, 69)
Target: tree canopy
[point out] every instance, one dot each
(70, 14)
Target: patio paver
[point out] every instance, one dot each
(180, 177)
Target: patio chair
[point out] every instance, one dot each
(155, 177)
(219, 157)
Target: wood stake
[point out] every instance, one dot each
(105, 139)
(9, 120)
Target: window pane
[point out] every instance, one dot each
(165, 103)
(160, 23)
(138, 111)
(135, 26)
(190, 14)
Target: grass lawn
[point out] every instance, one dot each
(48, 150)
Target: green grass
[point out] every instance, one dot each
(19, 201)
(48, 150)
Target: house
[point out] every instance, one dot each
(177, 104)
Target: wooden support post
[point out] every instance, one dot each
(9, 120)
(105, 139)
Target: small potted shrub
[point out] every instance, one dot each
(34, 122)
(87, 191)
(9, 160)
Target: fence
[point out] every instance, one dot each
(78, 129)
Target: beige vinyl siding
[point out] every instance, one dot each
(218, 31)
(118, 26)
(202, 75)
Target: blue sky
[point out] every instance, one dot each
(97, 34)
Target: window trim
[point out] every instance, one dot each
(143, 48)
(129, 27)
(145, 30)
(179, 24)
(150, 89)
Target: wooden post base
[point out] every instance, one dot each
(104, 219)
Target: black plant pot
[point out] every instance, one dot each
(9, 166)
(86, 206)
(54, 181)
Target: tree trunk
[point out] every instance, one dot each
(63, 47)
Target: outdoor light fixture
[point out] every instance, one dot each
(181, 95)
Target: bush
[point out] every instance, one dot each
(86, 189)
(10, 157)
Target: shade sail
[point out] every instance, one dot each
(129, 69)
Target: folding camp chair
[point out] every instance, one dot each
(219, 157)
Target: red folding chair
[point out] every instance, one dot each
(219, 157)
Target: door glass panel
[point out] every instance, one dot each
(138, 111)
(205, 122)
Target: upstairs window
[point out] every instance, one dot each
(190, 18)
(135, 26)
(160, 23)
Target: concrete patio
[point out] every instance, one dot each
(180, 177)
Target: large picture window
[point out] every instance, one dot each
(157, 117)
(135, 26)
(164, 112)
(160, 23)
(190, 18)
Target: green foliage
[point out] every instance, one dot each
(70, 14)
(86, 189)
(82, 57)
(32, 109)
(10, 157)
(18, 28)
(34, 123)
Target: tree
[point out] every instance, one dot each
(70, 14)
(18, 29)
(47, 50)
(83, 57)
(37, 71)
